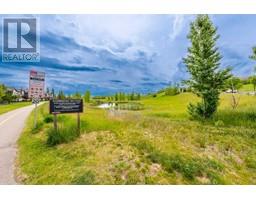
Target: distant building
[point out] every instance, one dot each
(20, 94)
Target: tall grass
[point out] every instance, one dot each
(62, 135)
(238, 117)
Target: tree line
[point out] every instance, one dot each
(77, 95)
(121, 96)
(118, 96)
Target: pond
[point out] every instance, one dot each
(122, 106)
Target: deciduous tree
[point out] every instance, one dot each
(207, 80)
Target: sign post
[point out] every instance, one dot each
(58, 106)
(78, 122)
(35, 101)
(36, 89)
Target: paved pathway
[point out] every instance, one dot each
(11, 126)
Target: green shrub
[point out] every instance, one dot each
(48, 118)
(62, 135)
(54, 137)
(171, 91)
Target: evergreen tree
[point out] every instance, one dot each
(253, 56)
(128, 97)
(61, 95)
(132, 96)
(253, 77)
(203, 62)
(77, 95)
(87, 96)
(253, 82)
(138, 96)
(53, 93)
(116, 97)
(47, 90)
(123, 96)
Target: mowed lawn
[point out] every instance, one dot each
(12, 106)
(158, 145)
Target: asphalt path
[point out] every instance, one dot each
(11, 126)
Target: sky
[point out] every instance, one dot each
(111, 53)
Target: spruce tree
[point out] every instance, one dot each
(87, 96)
(203, 63)
(253, 77)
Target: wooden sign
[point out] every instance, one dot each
(66, 106)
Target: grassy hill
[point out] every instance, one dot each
(157, 145)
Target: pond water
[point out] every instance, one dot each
(122, 106)
(107, 105)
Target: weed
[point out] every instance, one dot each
(37, 128)
(219, 123)
(87, 178)
(132, 178)
(250, 162)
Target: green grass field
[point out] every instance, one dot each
(8, 107)
(157, 145)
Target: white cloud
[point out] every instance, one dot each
(136, 48)
(177, 25)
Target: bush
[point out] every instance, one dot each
(54, 137)
(62, 135)
(48, 119)
(171, 91)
